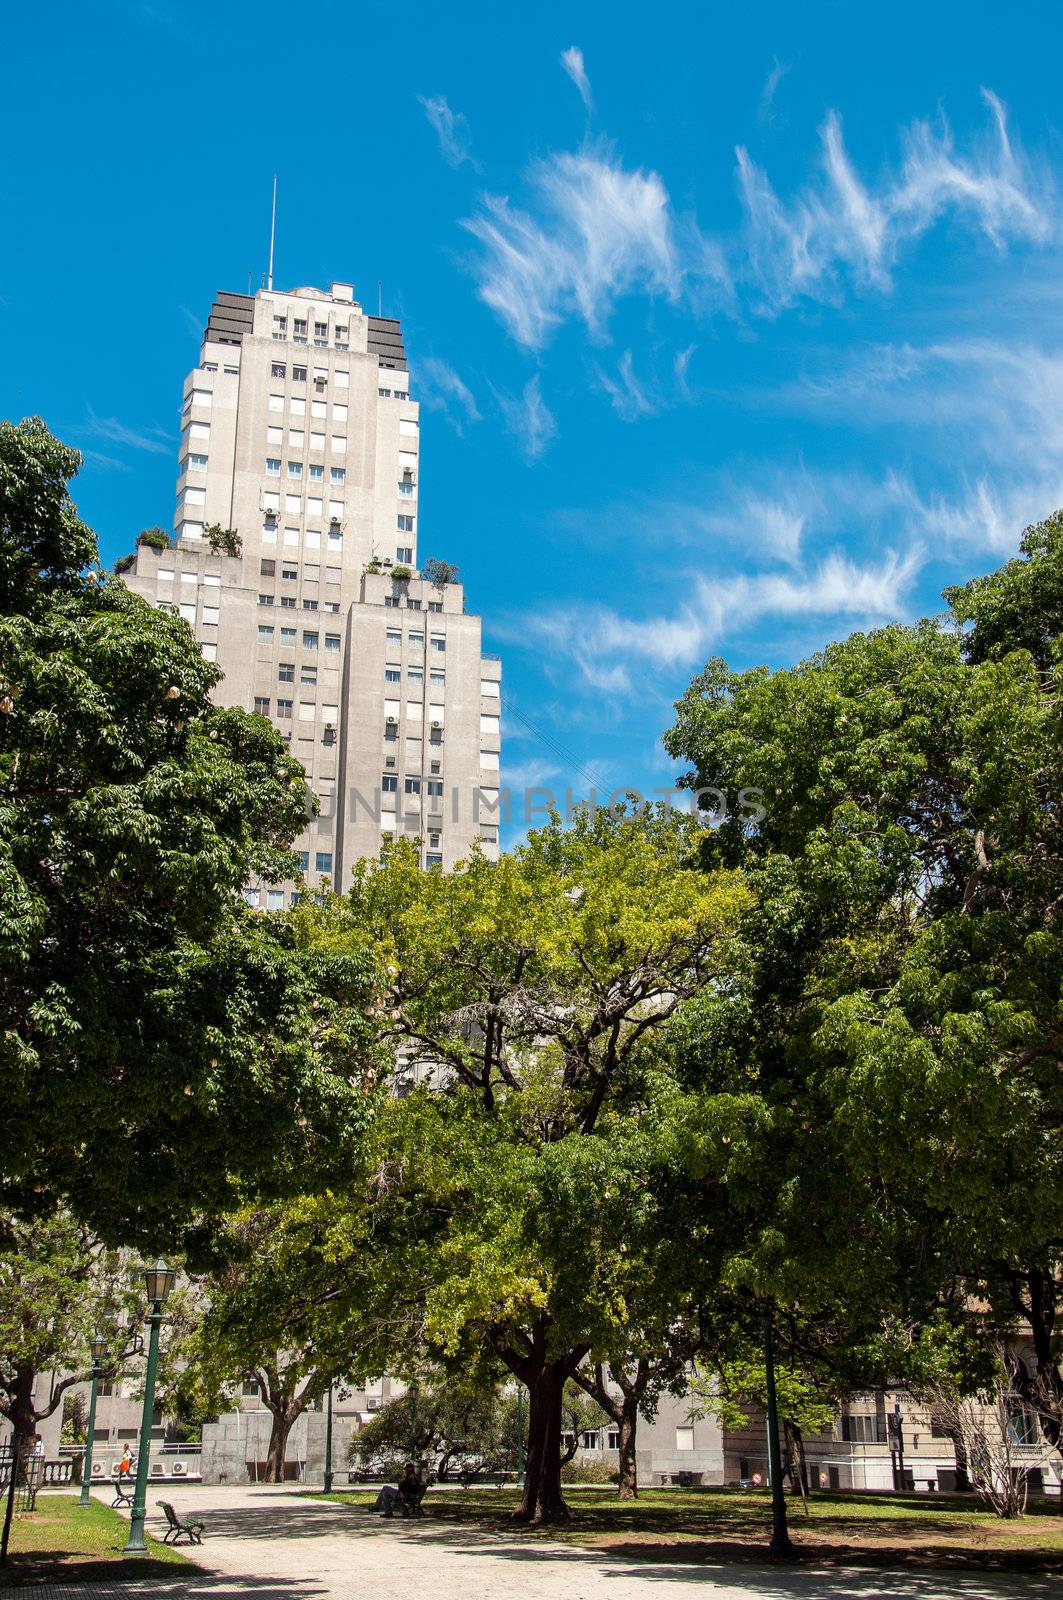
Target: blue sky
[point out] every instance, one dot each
(735, 329)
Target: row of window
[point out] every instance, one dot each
(414, 675)
(297, 439)
(310, 637)
(311, 570)
(315, 506)
(210, 579)
(394, 601)
(295, 470)
(394, 394)
(308, 710)
(301, 332)
(290, 602)
(318, 408)
(310, 538)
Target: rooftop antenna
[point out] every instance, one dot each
(272, 232)
(379, 298)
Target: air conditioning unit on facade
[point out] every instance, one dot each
(392, 722)
(437, 724)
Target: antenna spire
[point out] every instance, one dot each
(272, 232)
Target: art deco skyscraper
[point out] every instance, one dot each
(298, 430)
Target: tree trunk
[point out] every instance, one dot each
(278, 1442)
(629, 1471)
(795, 1449)
(543, 1500)
(21, 1412)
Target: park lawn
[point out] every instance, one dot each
(939, 1531)
(67, 1542)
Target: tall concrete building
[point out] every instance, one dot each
(299, 431)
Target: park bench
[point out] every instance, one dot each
(410, 1504)
(192, 1530)
(123, 1493)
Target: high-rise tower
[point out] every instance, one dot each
(298, 431)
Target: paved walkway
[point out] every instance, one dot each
(270, 1543)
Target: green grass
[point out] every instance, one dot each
(63, 1539)
(691, 1524)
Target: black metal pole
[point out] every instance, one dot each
(780, 1533)
(327, 1486)
(10, 1506)
(900, 1445)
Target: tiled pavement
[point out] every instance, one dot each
(270, 1543)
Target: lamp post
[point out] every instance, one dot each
(158, 1281)
(520, 1432)
(780, 1533)
(99, 1351)
(327, 1485)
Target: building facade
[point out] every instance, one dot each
(299, 432)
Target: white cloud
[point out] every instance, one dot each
(766, 103)
(155, 440)
(529, 418)
(599, 232)
(798, 248)
(628, 397)
(608, 648)
(441, 389)
(572, 61)
(451, 128)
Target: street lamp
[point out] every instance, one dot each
(327, 1486)
(99, 1354)
(158, 1281)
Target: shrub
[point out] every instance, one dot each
(154, 538)
(589, 1472)
(124, 563)
(226, 541)
(402, 573)
(440, 572)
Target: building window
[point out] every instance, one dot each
(337, 474)
(262, 705)
(309, 639)
(417, 640)
(273, 466)
(412, 605)
(289, 572)
(296, 437)
(279, 369)
(435, 605)
(435, 786)
(415, 677)
(288, 602)
(298, 374)
(276, 402)
(412, 785)
(391, 600)
(284, 709)
(612, 1438)
(286, 672)
(389, 783)
(308, 676)
(391, 676)
(280, 323)
(288, 636)
(309, 605)
(317, 441)
(265, 631)
(320, 330)
(299, 325)
(438, 642)
(406, 489)
(195, 463)
(265, 599)
(268, 569)
(433, 859)
(323, 861)
(295, 469)
(332, 641)
(684, 1438)
(274, 435)
(405, 523)
(402, 394)
(436, 677)
(858, 1430)
(404, 553)
(317, 473)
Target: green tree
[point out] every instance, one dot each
(164, 1052)
(473, 1423)
(58, 1287)
(511, 1204)
(895, 995)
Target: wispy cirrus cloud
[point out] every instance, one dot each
(629, 398)
(451, 129)
(442, 389)
(596, 231)
(156, 440)
(837, 222)
(609, 649)
(766, 102)
(529, 419)
(572, 61)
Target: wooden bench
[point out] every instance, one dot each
(193, 1531)
(123, 1492)
(410, 1504)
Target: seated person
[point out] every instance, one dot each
(408, 1492)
